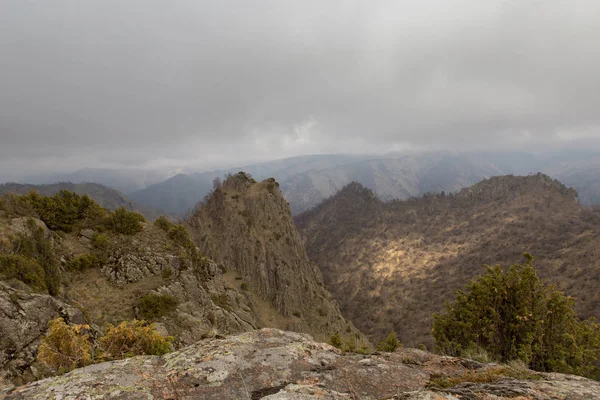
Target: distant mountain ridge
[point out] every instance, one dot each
(123, 180)
(307, 180)
(391, 265)
(180, 193)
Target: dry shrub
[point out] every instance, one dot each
(65, 347)
(132, 338)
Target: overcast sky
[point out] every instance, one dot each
(208, 82)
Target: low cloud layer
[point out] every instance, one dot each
(153, 83)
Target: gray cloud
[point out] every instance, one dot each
(147, 82)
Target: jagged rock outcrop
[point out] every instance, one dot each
(23, 323)
(275, 365)
(247, 227)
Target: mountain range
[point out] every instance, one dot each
(125, 180)
(306, 181)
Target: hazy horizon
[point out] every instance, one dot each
(205, 85)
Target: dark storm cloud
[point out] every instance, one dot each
(137, 82)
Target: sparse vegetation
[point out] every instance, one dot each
(36, 246)
(153, 306)
(84, 261)
(125, 222)
(163, 223)
(356, 345)
(180, 236)
(65, 210)
(513, 315)
(132, 338)
(336, 340)
(352, 345)
(100, 241)
(25, 269)
(390, 344)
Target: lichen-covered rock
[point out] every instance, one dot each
(24, 225)
(24, 320)
(277, 365)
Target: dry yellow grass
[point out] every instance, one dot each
(105, 302)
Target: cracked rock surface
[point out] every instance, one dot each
(277, 365)
(23, 323)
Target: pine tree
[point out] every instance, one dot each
(513, 315)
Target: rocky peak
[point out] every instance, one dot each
(275, 365)
(246, 226)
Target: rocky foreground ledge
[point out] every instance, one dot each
(276, 365)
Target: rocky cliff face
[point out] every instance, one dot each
(276, 365)
(247, 227)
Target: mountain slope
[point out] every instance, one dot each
(123, 179)
(177, 195)
(392, 265)
(103, 195)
